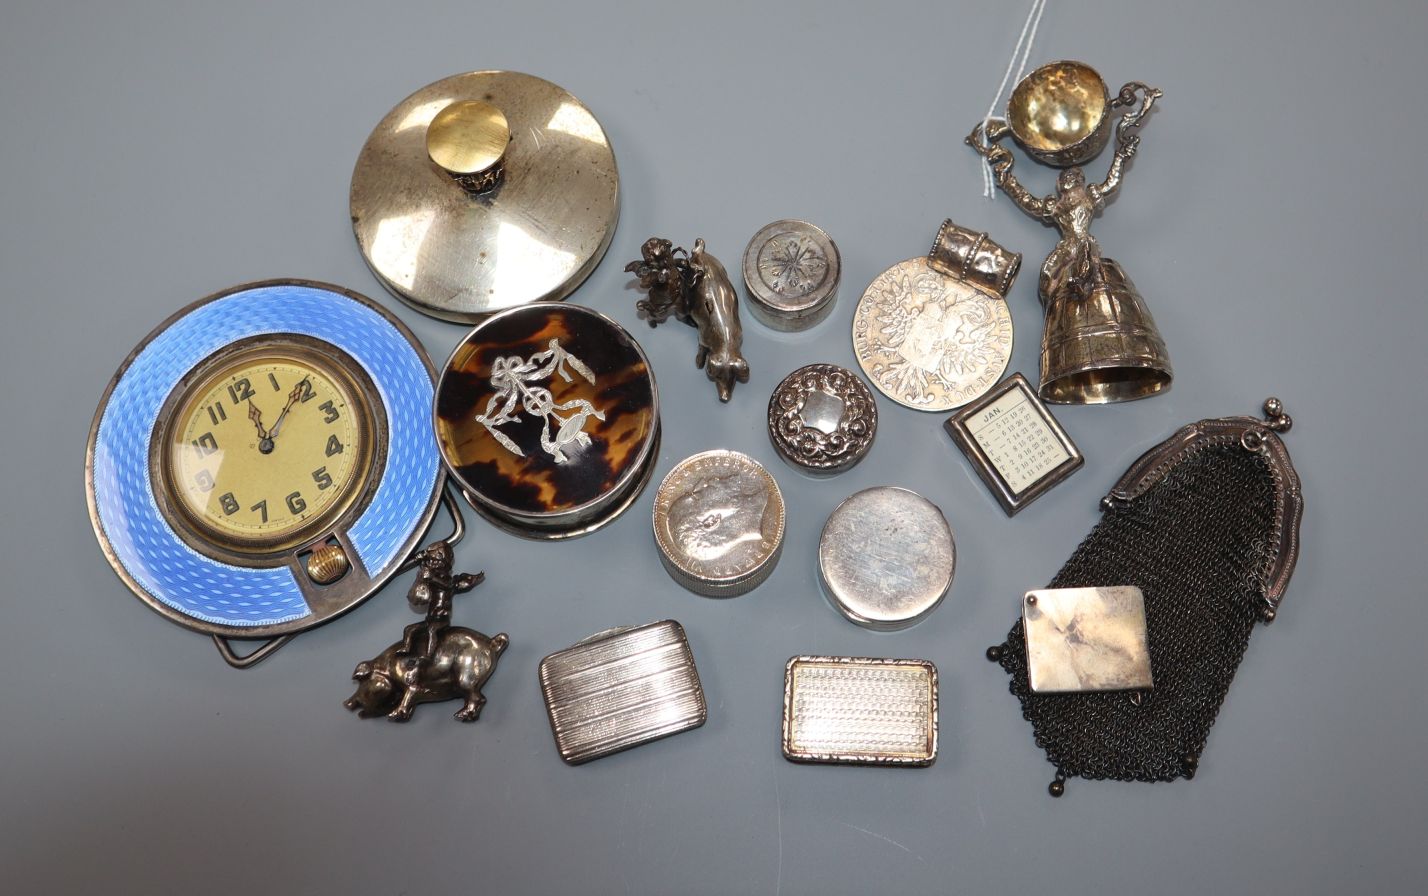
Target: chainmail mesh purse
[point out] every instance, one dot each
(1206, 524)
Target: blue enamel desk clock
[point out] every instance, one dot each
(263, 461)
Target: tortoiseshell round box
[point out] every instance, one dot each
(547, 416)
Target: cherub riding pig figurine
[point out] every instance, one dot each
(434, 661)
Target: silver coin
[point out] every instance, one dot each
(886, 558)
(822, 418)
(791, 269)
(718, 522)
(929, 341)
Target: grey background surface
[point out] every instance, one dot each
(1274, 220)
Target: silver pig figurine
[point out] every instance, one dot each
(696, 288)
(434, 661)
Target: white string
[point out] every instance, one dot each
(1022, 49)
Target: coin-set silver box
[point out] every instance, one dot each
(719, 523)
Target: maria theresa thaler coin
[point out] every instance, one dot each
(929, 341)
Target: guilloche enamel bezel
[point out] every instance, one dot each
(208, 584)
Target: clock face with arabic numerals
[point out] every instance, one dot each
(265, 445)
(263, 461)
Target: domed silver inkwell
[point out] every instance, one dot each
(484, 191)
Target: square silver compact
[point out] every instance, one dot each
(1014, 443)
(860, 711)
(1086, 639)
(621, 688)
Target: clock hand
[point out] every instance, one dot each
(265, 439)
(293, 397)
(257, 417)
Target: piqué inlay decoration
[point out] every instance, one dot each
(514, 381)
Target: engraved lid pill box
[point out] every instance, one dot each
(621, 688)
(547, 416)
(860, 711)
(718, 523)
(822, 418)
(886, 558)
(791, 269)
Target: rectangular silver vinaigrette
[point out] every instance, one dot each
(1086, 639)
(859, 710)
(620, 689)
